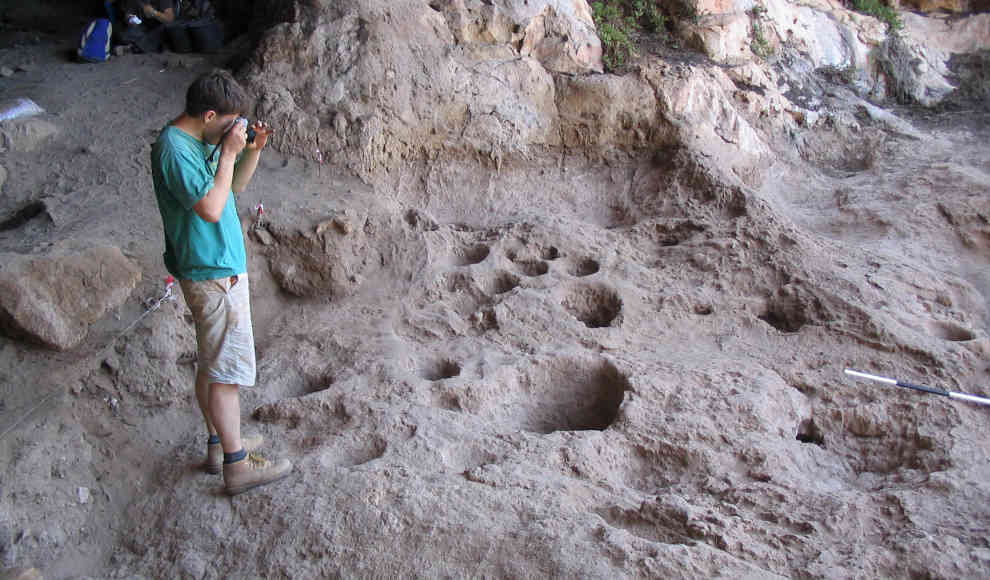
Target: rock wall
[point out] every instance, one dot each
(406, 79)
(375, 85)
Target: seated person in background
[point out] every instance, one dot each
(190, 10)
(143, 23)
(195, 27)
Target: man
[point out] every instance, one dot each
(146, 35)
(200, 159)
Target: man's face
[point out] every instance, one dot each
(216, 125)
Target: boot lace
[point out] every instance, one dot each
(256, 460)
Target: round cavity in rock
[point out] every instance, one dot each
(808, 432)
(550, 253)
(785, 316)
(440, 369)
(595, 306)
(703, 309)
(457, 281)
(417, 220)
(533, 267)
(573, 395)
(485, 320)
(473, 255)
(504, 282)
(951, 331)
(585, 267)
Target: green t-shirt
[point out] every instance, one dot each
(195, 249)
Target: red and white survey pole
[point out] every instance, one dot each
(923, 388)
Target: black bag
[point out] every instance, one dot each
(206, 35)
(143, 37)
(178, 37)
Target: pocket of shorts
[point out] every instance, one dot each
(206, 298)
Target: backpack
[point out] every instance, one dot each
(94, 44)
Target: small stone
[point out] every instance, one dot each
(324, 226)
(6, 71)
(20, 574)
(24, 67)
(263, 236)
(112, 365)
(343, 225)
(83, 494)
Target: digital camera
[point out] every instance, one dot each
(251, 133)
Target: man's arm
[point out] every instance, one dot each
(244, 170)
(210, 206)
(165, 16)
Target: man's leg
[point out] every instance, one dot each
(203, 398)
(240, 471)
(225, 414)
(214, 446)
(225, 342)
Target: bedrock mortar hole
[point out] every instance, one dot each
(572, 395)
(951, 332)
(473, 255)
(785, 316)
(595, 306)
(504, 282)
(551, 253)
(808, 432)
(533, 268)
(23, 215)
(585, 267)
(440, 369)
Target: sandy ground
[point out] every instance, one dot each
(94, 180)
(724, 317)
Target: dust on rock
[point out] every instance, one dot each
(595, 329)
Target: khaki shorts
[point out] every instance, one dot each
(222, 311)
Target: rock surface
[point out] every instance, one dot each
(556, 325)
(20, 574)
(52, 300)
(25, 135)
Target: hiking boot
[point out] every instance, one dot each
(214, 452)
(252, 471)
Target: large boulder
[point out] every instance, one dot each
(25, 135)
(910, 65)
(52, 300)
(738, 31)
(969, 34)
(916, 65)
(372, 83)
(560, 34)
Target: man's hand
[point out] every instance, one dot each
(236, 139)
(149, 10)
(261, 133)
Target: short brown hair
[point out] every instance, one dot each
(216, 91)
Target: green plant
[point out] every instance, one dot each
(619, 22)
(646, 10)
(881, 11)
(758, 43)
(612, 27)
